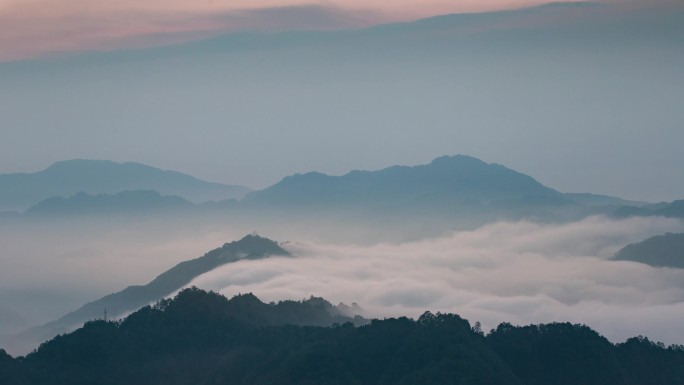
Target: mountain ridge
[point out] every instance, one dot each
(448, 186)
(124, 202)
(450, 177)
(69, 177)
(133, 297)
(666, 250)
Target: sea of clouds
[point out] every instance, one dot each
(518, 272)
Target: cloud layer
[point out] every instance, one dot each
(35, 28)
(517, 272)
(32, 28)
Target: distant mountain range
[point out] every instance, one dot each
(126, 202)
(674, 209)
(449, 187)
(447, 179)
(67, 178)
(660, 251)
(134, 297)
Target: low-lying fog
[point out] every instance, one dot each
(517, 272)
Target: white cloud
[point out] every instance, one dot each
(516, 272)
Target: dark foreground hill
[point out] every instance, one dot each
(204, 338)
(660, 251)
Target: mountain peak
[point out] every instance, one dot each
(257, 245)
(78, 162)
(457, 159)
(446, 180)
(251, 246)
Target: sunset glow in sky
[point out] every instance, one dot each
(32, 28)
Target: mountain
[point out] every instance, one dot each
(204, 338)
(660, 251)
(597, 200)
(139, 201)
(567, 354)
(134, 297)
(461, 190)
(674, 209)
(66, 178)
(456, 188)
(450, 187)
(448, 179)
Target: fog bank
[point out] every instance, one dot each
(515, 272)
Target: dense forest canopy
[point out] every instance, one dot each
(204, 338)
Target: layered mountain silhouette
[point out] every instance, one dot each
(126, 202)
(449, 187)
(134, 297)
(665, 250)
(456, 187)
(205, 338)
(447, 179)
(674, 209)
(67, 178)
(598, 200)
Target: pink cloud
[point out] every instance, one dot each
(35, 28)
(31, 28)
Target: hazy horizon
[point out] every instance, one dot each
(336, 171)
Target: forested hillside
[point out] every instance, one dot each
(204, 338)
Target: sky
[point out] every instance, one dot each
(30, 28)
(34, 28)
(591, 116)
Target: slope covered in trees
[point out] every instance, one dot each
(134, 297)
(204, 338)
